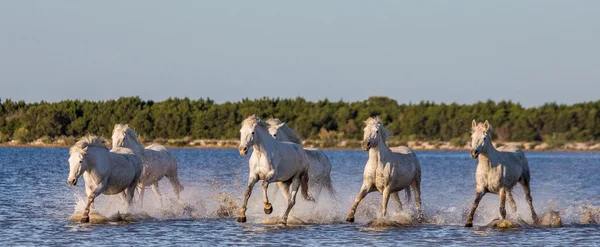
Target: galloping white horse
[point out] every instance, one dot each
(320, 166)
(104, 172)
(157, 161)
(272, 161)
(386, 171)
(498, 170)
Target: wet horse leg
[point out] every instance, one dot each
(511, 201)
(268, 207)
(364, 190)
(251, 181)
(416, 186)
(157, 193)
(527, 190)
(502, 194)
(140, 195)
(177, 187)
(396, 199)
(292, 198)
(478, 196)
(99, 189)
(384, 201)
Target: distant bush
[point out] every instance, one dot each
(4, 137)
(22, 135)
(556, 140)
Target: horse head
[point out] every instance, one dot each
(374, 132)
(248, 134)
(480, 138)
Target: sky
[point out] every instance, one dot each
(531, 52)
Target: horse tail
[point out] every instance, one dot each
(525, 175)
(304, 186)
(329, 186)
(416, 178)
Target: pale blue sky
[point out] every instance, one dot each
(446, 51)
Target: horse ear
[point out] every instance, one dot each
(84, 146)
(486, 125)
(474, 124)
(115, 126)
(280, 125)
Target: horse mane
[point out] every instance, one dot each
(128, 132)
(386, 134)
(88, 141)
(286, 129)
(254, 120)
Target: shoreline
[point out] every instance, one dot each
(340, 145)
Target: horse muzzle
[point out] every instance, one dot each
(243, 151)
(474, 154)
(365, 145)
(72, 182)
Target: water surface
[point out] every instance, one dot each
(36, 203)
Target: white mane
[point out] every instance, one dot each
(385, 133)
(286, 130)
(87, 141)
(254, 120)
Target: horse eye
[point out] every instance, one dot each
(81, 161)
(274, 134)
(377, 131)
(253, 132)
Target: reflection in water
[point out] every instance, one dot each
(36, 203)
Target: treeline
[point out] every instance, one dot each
(325, 120)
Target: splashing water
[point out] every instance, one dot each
(36, 203)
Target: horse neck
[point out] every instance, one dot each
(283, 137)
(133, 144)
(380, 153)
(489, 153)
(98, 161)
(263, 141)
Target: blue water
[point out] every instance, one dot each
(36, 203)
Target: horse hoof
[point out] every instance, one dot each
(350, 220)
(242, 219)
(269, 210)
(469, 224)
(85, 219)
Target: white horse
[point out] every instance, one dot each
(272, 161)
(104, 172)
(157, 161)
(320, 167)
(386, 171)
(498, 170)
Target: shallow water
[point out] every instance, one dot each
(36, 203)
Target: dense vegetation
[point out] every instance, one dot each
(325, 120)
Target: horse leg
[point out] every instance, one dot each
(157, 193)
(141, 195)
(396, 199)
(292, 198)
(99, 189)
(88, 192)
(268, 206)
(511, 201)
(177, 187)
(416, 186)
(251, 182)
(384, 201)
(502, 194)
(129, 195)
(364, 190)
(527, 190)
(478, 196)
